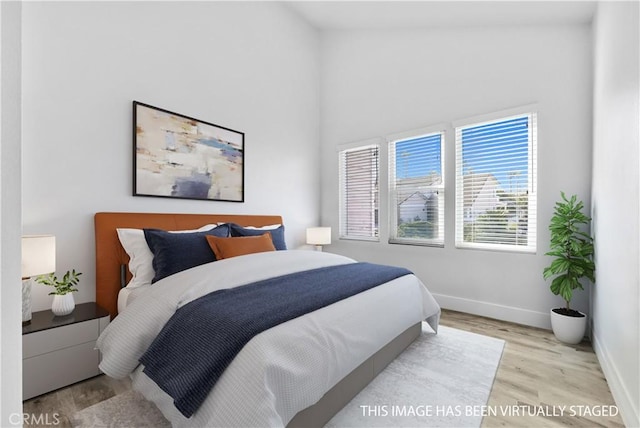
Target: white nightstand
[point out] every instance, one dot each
(59, 351)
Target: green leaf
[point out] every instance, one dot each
(566, 291)
(62, 286)
(555, 285)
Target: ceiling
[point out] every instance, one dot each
(363, 15)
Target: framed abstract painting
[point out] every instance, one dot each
(176, 156)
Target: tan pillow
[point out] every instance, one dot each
(225, 248)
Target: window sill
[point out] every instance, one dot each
(416, 243)
(496, 248)
(356, 238)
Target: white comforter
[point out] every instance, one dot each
(282, 370)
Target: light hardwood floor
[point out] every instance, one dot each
(536, 371)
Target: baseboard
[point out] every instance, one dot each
(491, 310)
(628, 409)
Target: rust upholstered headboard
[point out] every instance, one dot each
(110, 255)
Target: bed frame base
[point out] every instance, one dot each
(337, 397)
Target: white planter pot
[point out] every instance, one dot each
(568, 329)
(63, 304)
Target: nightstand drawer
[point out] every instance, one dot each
(54, 339)
(56, 369)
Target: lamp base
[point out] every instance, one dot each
(26, 301)
(318, 247)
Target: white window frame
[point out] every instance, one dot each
(342, 149)
(440, 188)
(531, 247)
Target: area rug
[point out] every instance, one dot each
(441, 380)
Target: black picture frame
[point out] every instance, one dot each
(180, 157)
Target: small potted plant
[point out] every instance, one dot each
(572, 249)
(63, 303)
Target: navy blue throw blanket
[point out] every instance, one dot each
(202, 338)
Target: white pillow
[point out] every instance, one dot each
(270, 227)
(141, 257)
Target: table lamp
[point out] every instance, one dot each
(319, 236)
(38, 258)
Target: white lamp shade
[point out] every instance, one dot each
(38, 255)
(319, 236)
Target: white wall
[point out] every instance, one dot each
(376, 83)
(10, 286)
(252, 67)
(615, 202)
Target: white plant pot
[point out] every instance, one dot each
(568, 329)
(63, 304)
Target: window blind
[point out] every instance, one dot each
(417, 190)
(495, 184)
(359, 188)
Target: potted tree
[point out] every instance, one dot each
(572, 249)
(63, 303)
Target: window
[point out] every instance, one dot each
(495, 184)
(359, 186)
(417, 190)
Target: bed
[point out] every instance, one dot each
(298, 373)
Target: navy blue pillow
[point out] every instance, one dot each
(175, 252)
(277, 235)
